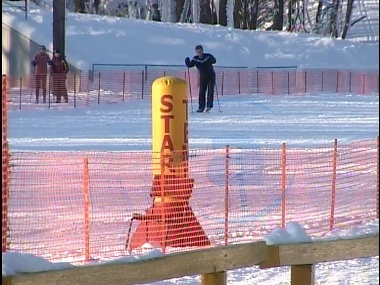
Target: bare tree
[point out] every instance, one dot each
(169, 11)
(334, 19)
(278, 15)
(180, 9)
(222, 13)
(253, 12)
(347, 20)
(205, 8)
(186, 11)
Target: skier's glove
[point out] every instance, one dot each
(187, 61)
(34, 63)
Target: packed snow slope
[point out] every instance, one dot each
(92, 39)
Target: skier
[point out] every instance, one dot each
(204, 63)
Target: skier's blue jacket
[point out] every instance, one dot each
(204, 64)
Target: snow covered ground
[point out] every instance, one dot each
(92, 39)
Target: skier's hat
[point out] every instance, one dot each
(199, 47)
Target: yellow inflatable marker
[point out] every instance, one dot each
(170, 126)
(170, 221)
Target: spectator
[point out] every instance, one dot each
(40, 62)
(59, 69)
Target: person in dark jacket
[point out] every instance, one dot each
(204, 63)
(59, 69)
(40, 63)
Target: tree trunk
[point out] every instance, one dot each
(222, 18)
(185, 11)
(347, 20)
(278, 18)
(230, 11)
(253, 12)
(237, 14)
(334, 19)
(195, 11)
(244, 15)
(205, 12)
(291, 12)
(79, 6)
(180, 9)
(214, 13)
(169, 11)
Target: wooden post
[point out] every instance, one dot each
(305, 81)
(123, 86)
(302, 274)
(322, 82)
(75, 91)
(222, 91)
(217, 278)
(99, 88)
(142, 82)
(20, 95)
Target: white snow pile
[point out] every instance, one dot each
(292, 233)
(19, 263)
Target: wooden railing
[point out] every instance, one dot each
(211, 263)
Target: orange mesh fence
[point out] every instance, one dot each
(79, 206)
(102, 87)
(4, 163)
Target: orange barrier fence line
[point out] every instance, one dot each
(86, 210)
(4, 164)
(283, 185)
(333, 184)
(255, 190)
(377, 180)
(226, 194)
(119, 86)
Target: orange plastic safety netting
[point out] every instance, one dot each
(98, 87)
(79, 206)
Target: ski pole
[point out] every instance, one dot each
(128, 235)
(191, 96)
(217, 97)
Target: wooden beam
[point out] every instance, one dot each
(194, 262)
(217, 278)
(6, 280)
(323, 251)
(302, 274)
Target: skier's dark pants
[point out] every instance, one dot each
(206, 83)
(41, 84)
